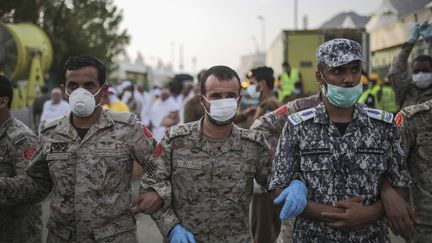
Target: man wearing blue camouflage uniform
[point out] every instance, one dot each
(343, 151)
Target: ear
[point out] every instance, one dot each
(201, 100)
(4, 102)
(62, 87)
(239, 100)
(104, 90)
(319, 78)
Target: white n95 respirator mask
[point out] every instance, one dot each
(82, 103)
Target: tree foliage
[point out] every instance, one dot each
(74, 27)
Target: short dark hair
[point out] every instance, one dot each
(423, 58)
(268, 79)
(77, 62)
(200, 75)
(6, 89)
(264, 73)
(220, 72)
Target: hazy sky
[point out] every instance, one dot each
(219, 31)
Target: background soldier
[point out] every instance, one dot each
(415, 126)
(271, 125)
(265, 222)
(416, 88)
(86, 158)
(342, 150)
(19, 221)
(211, 164)
(193, 111)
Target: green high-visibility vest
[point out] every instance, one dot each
(373, 91)
(388, 99)
(288, 83)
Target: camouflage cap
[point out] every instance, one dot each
(338, 52)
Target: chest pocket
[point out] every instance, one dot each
(424, 142)
(315, 159)
(370, 158)
(190, 181)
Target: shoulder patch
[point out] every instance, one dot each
(302, 116)
(124, 117)
(410, 111)
(380, 115)
(282, 110)
(399, 119)
(50, 123)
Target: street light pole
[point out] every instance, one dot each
(261, 18)
(295, 14)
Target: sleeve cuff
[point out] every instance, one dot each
(162, 189)
(165, 220)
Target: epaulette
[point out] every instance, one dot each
(379, 115)
(53, 122)
(180, 130)
(252, 135)
(301, 116)
(16, 136)
(410, 111)
(124, 117)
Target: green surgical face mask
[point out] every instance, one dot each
(342, 97)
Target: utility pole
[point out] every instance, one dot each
(181, 56)
(295, 14)
(264, 47)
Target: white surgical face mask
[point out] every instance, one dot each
(422, 79)
(222, 110)
(82, 102)
(252, 91)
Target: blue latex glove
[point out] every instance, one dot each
(425, 30)
(178, 234)
(414, 33)
(295, 197)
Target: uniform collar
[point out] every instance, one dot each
(360, 116)
(5, 125)
(232, 143)
(66, 128)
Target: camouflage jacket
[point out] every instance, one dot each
(272, 123)
(19, 221)
(400, 79)
(90, 177)
(337, 167)
(211, 185)
(415, 127)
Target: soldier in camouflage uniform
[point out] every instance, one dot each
(416, 88)
(212, 164)
(415, 126)
(19, 222)
(342, 150)
(86, 161)
(271, 125)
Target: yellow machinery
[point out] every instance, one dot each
(25, 55)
